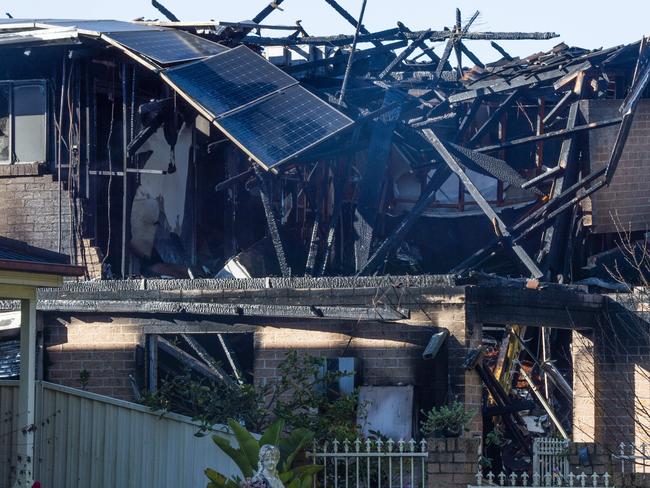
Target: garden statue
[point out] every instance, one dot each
(267, 473)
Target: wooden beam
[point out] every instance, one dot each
(403, 55)
(551, 135)
(490, 87)
(554, 238)
(151, 350)
(500, 226)
(231, 358)
(205, 357)
(17, 292)
(187, 359)
(557, 308)
(494, 116)
(501, 51)
(272, 222)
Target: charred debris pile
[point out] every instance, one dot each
(251, 154)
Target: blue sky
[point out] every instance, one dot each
(578, 23)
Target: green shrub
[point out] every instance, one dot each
(445, 421)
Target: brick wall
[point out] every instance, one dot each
(102, 346)
(627, 197)
(612, 380)
(30, 211)
(452, 462)
(389, 354)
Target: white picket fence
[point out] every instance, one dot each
(523, 480)
(634, 457)
(86, 440)
(371, 464)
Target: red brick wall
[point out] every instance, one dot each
(103, 346)
(627, 196)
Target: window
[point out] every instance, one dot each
(23, 122)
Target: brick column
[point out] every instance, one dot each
(473, 384)
(584, 384)
(453, 463)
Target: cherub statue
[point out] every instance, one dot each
(267, 472)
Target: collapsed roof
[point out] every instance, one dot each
(400, 158)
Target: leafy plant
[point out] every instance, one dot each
(494, 438)
(301, 395)
(246, 455)
(448, 420)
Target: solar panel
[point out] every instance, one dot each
(284, 125)
(167, 46)
(229, 80)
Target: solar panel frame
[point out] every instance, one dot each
(167, 46)
(283, 126)
(228, 81)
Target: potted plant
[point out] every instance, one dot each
(445, 421)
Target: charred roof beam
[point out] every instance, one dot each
(396, 34)
(494, 116)
(500, 227)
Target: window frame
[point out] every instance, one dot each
(11, 116)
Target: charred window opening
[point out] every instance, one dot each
(23, 122)
(214, 359)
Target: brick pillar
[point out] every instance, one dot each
(642, 404)
(473, 383)
(584, 384)
(453, 463)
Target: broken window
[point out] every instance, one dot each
(23, 122)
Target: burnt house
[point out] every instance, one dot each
(364, 191)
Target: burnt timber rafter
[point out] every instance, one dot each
(500, 227)
(550, 135)
(403, 55)
(399, 233)
(490, 87)
(494, 116)
(396, 34)
(551, 252)
(540, 217)
(272, 222)
(346, 15)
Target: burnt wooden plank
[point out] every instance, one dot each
(494, 116)
(403, 55)
(272, 222)
(399, 233)
(489, 212)
(550, 135)
(553, 241)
